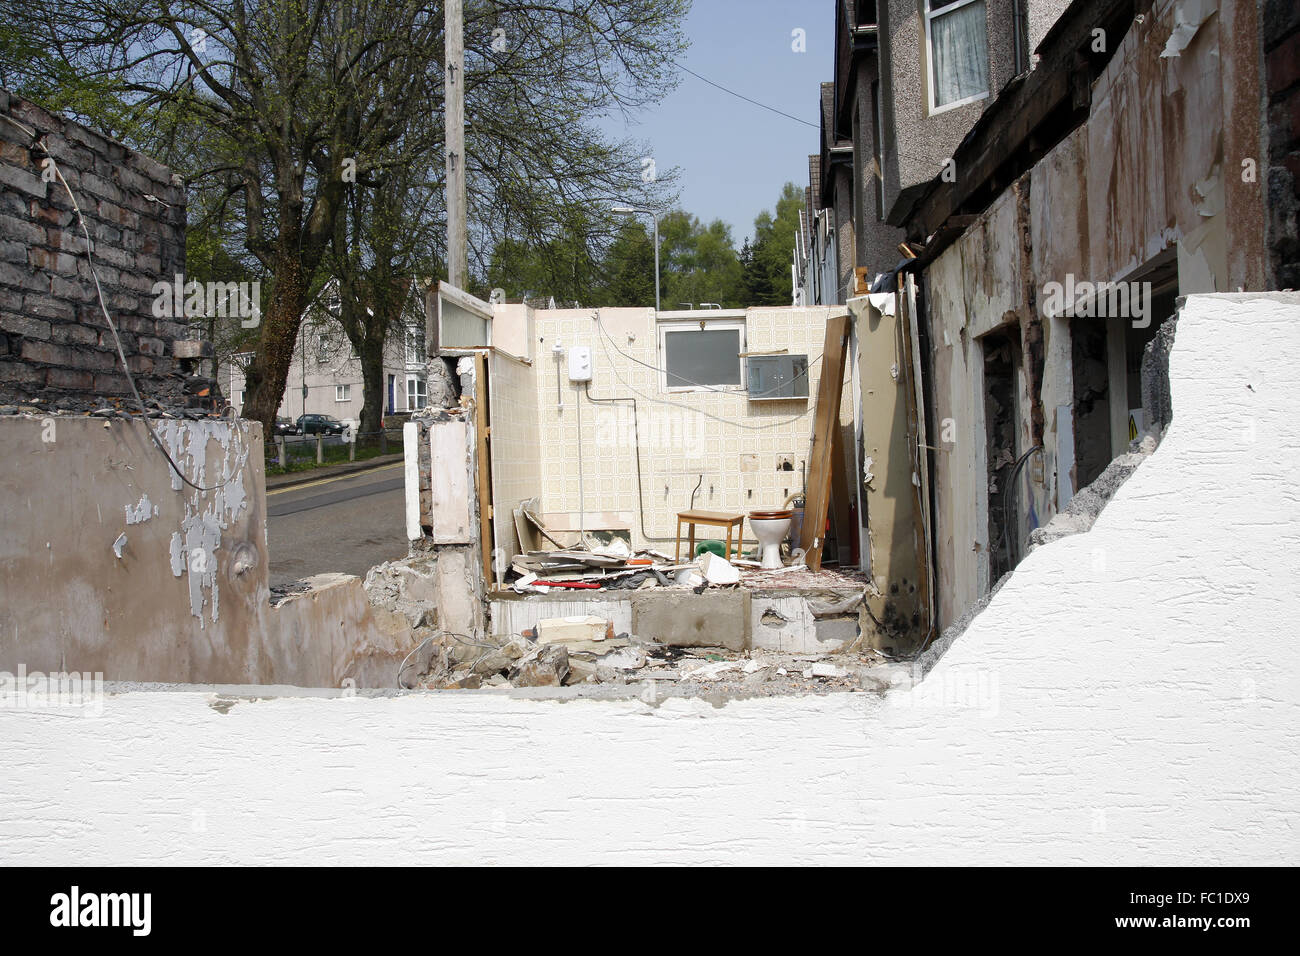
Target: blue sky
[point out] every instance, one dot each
(734, 157)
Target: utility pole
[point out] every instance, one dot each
(457, 239)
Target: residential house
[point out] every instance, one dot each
(1060, 173)
(325, 375)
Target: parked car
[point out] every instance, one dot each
(320, 424)
(285, 426)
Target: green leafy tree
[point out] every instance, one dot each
(300, 99)
(566, 266)
(700, 264)
(630, 268)
(384, 238)
(767, 269)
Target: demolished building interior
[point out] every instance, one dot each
(845, 484)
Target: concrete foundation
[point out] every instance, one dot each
(792, 621)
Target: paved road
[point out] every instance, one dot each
(338, 524)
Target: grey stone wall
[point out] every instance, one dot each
(55, 345)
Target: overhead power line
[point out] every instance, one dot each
(770, 109)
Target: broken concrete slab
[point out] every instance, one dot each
(685, 619)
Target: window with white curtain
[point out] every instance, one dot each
(959, 51)
(342, 393)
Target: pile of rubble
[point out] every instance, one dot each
(615, 565)
(564, 652)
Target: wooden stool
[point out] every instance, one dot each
(719, 519)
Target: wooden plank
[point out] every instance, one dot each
(827, 419)
(861, 280)
(481, 413)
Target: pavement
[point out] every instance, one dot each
(330, 471)
(346, 522)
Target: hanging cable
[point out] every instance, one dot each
(1003, 537)
(742, 96)
(38, 144)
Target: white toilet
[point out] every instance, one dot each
(771, 528)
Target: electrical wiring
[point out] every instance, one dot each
(1006, 499)
(459, 639)
(636, 440)
(103, 307)
(697, 411)
(719, 86)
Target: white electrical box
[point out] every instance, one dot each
(580, 363)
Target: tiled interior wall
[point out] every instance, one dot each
(729, 446)
(516, 452)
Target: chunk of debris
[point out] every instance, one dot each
(626, 658)
(718, 570)
(580, 672)
(563, 630)
(826, 669)
(689, 577)
(547, 666)
(463, 680)
(714, 670)
(496, 661)
(615, 665)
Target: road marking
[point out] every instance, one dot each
(326, 481)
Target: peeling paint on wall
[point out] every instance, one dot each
(141, 512)
(207, 514)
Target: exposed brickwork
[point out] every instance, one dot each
(1281, 35)
(54, 342)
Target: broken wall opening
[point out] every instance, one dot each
(1091, 395)
(1002, 366)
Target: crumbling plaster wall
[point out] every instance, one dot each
(110, 564)
(1123, 700)
(1144, 174)
(442, 581)
(887, 480)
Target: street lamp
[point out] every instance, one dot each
(633, 210)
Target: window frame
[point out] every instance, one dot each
(342, 393)
(413, 345)
(928, 16)
(693, 323)
(421, 392)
